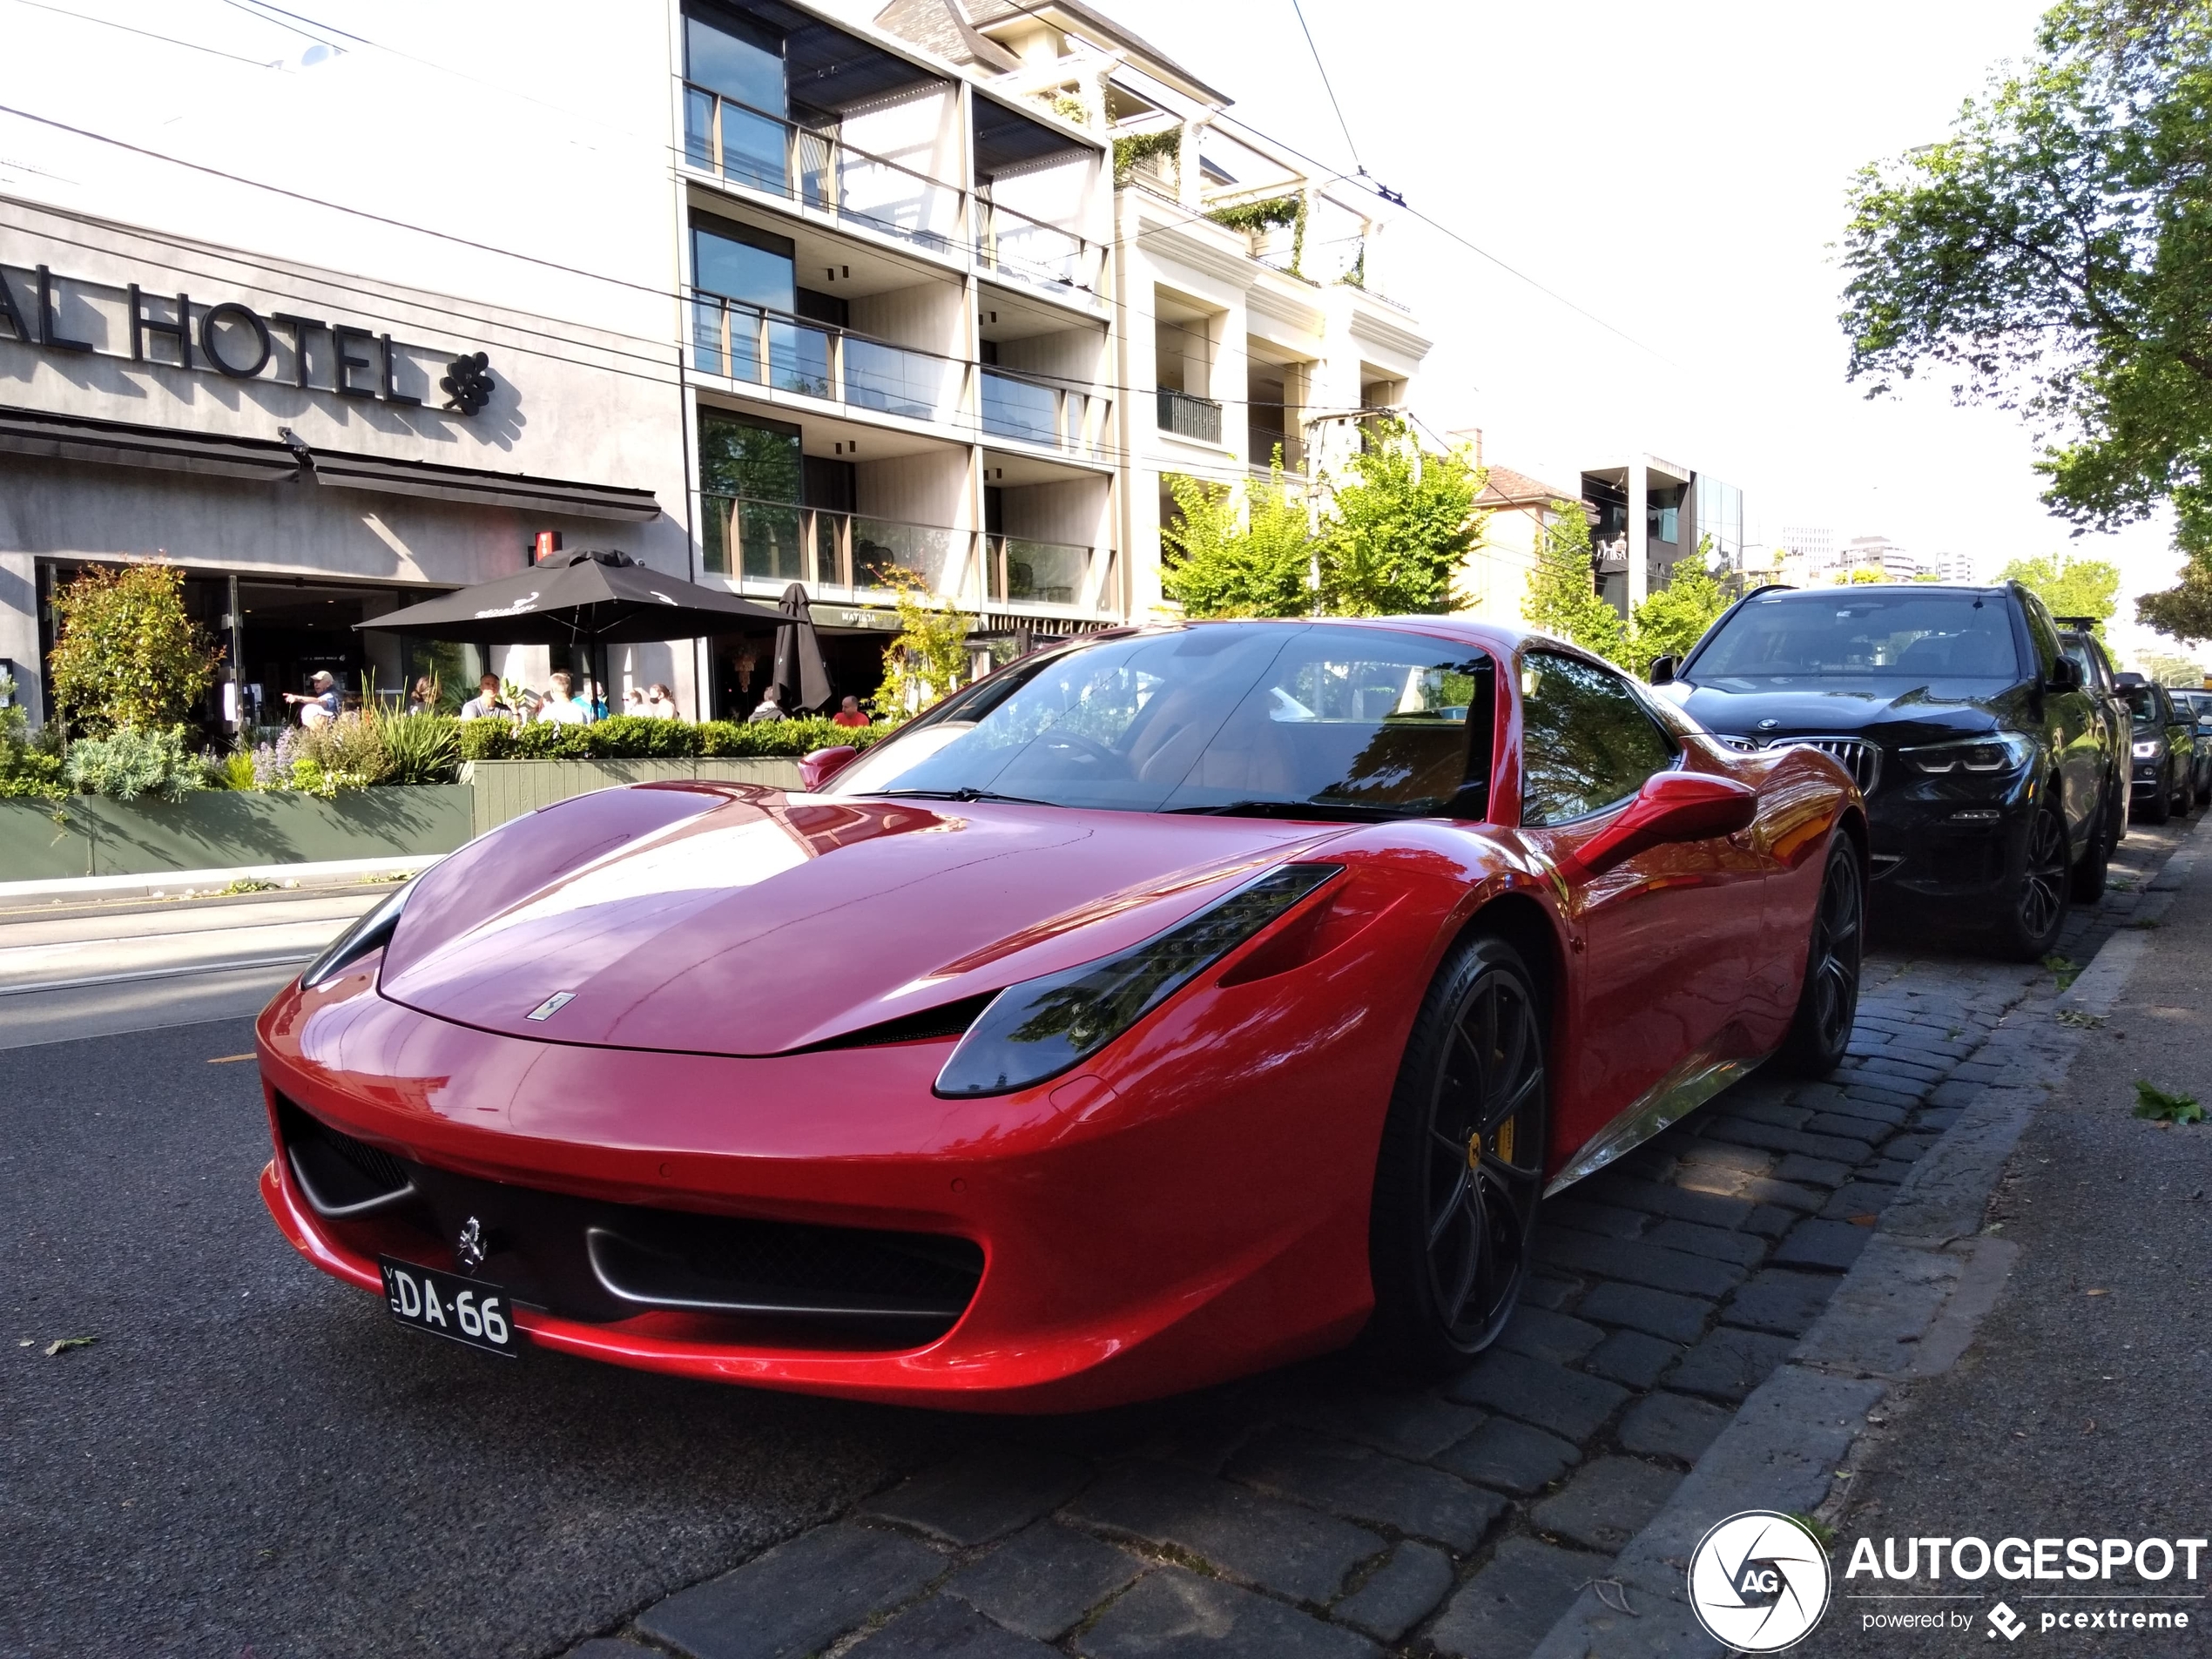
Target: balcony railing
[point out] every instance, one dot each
(1045, 573)
(817, 170)
(1047, 412)
(850, 555)
(820, 171)
(1263, 442)
(1189, 417)
(751, 343)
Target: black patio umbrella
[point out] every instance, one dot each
(595, 599)
(801, 676)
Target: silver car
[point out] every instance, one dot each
(2195, 707)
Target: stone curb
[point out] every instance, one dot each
(1906, 1308)
(176, 883)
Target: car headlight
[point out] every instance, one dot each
(1999, 752)
(2150, 749)
(371, 933)
(1043, 1027)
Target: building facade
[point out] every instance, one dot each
(883, 311)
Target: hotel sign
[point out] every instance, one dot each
(234, 341)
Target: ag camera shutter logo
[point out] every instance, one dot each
(1758, 1581)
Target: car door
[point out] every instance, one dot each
(2075, 744)
(1667, 946)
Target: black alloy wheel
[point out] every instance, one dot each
(1461, 1171)
(2039, 890)
(1828, 1005)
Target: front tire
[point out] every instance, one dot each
(2159, 809)
(1828, 1006)
(2036, 895)
(1460, 1169)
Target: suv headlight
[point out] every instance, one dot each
(1999, 752)
(371, 931)
(2150, 748)
(1043, 1027)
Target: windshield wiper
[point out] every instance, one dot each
(1332, 810)
(965, 792)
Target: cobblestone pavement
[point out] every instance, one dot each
(1302, 1513)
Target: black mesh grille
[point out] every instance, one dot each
(600, 1261)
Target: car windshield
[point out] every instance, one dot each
(1217, 717)
(2142, 708)
(1837, 633)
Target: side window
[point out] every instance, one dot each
(2044, 633)
(1586, 740)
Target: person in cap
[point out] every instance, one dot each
(319, 707)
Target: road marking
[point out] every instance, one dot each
(231, 1059)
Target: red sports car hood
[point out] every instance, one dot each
(730, 919)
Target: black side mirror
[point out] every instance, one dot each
(1662, 670)
(2064, 675)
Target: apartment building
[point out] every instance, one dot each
(884, 303)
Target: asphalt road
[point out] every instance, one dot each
(252, 1459)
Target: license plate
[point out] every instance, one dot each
(466, 1311)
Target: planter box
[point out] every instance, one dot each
(505, 789)
(220, 829)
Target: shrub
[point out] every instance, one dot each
(627, 737)
(31, 768)
(127, 654)
(131, 761)
(422, 748)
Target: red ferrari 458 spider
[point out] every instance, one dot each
(1165, 1006)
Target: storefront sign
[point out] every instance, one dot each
(236, 341)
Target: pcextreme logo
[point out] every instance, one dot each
(1758, 1581)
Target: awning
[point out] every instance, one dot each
(119, 443)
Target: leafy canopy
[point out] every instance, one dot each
(127, 654)
(2054, 255)
(1389, 539)
(1675, 617)
(930, 656)
(1227, 560)
(2071, 587)
(1561, 597)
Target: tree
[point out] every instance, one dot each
(2169, 670)
(2054, 255)
(126, 653)
(1562, 597)
(2071, 587)
(1399, 528)
(1228, 559)
(1675, 617)
(929, 657)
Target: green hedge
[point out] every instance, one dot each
(629, 736)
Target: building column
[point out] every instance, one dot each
(1639, 533)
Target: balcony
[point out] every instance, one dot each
(818, 170)
(845, 556)
(1024, 571)
(1261, 444)
(1038, 410)
(772, 348)
(1189, 417)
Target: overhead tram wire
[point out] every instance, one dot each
(1328, 86)
(145, 34)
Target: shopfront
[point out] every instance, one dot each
(313, 450)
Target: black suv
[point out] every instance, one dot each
(1983, 754)
(2165, 750)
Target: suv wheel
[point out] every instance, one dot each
(2036, 896)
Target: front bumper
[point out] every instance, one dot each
(1117, 1262)
(1948, 839)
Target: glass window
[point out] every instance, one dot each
(1263, 717)
(1837, 632)
(740, 263)
(2043, 631)
(1586, 740)
(747, 469)
(723, 56)
(2146, 708)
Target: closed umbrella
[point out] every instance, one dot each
(802, 678)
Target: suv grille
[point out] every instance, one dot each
(1859, 758)
(600, 1262)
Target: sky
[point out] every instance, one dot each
(1665, 183)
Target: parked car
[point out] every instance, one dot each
(2078, 642)
(1978, 742)
(1161, 1008)
(2164, 751)
(2195, 707)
